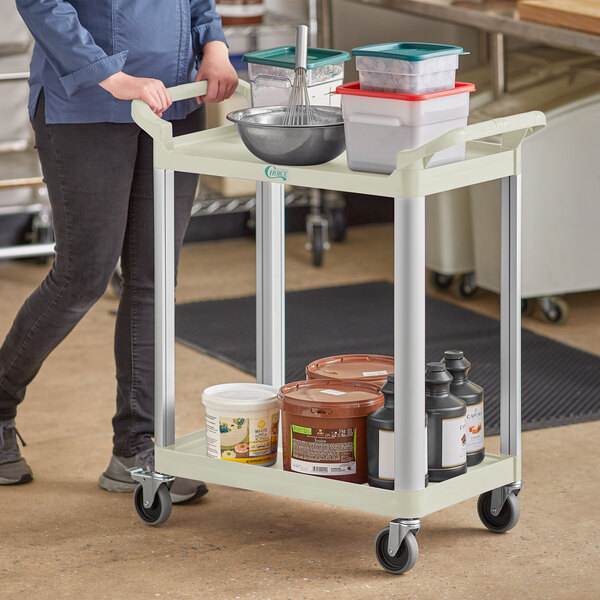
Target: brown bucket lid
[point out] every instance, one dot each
(330, 398)
(372, 368)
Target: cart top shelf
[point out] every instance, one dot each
(221, 152)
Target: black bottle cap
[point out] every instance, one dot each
(436, 367)
(390, 378)
(454, 354)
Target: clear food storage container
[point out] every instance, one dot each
(271, 74)
(378, 125)
(407, 67)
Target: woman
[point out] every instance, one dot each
(89, 61)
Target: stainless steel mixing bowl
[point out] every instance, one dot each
(264, 135)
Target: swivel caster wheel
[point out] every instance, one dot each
(403, 560)
(441, 281)
(159, 511)
(318, 245)
(555, 309)
(527, 306)
(338, 223)
(505, 519)
(466, 286)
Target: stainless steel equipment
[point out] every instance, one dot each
(298, 111)
(264, 134)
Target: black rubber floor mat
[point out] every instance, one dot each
(560, 384)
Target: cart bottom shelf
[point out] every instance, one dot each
(187, 458)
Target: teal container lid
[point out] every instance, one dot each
(411, 51)
(285, 57)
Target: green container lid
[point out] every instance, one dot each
(411, 51)
(285, 57)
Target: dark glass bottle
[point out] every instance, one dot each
(446, 439)
(458, 366)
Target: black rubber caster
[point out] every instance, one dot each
(555, 309)
(338, 224)
(527, 306)
(505, 520)
(406, 557)
(317, 245)
(441, 281)
(160, 510)
(467, 287)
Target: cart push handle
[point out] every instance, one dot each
(161, 130)
(513, 130)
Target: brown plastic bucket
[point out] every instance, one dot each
(370, 368)
(324, 427)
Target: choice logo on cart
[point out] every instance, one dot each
(276, 173)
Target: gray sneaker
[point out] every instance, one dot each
(117, 478)
(13, 468)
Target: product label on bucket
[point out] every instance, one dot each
(454, 442)
(323, 451)
(475, 427)
(242, 439)
(374, 373)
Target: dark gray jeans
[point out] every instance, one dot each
(100, 183)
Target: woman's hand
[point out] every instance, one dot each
(218, 71)
(126, 87)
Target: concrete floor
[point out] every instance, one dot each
(63, 537)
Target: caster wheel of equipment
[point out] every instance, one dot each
(406, 557)
(527, 306)
(338, 224)
(555, 309)
(160, 510)
(467, 287)
(505, 520)
(318, 247)
(441, 281)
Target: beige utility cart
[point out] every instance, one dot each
(221, 152)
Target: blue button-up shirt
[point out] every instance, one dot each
(80, 43)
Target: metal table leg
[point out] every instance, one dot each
(409, 344)
(510, 317)
(164, 306)
(270, 284)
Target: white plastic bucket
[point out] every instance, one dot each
(379, 124)
(242, 422)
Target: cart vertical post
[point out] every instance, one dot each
(270, 284)
(510, 317)
(409, 344)
(164, 306)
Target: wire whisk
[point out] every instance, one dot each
(298, 111)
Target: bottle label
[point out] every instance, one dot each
(454, 442)
(475, 427)
(386, 454)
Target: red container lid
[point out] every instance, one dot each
(353, 89)
(371, 368)
(330, 398)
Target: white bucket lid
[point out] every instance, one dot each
(234, 396)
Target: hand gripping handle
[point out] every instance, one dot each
(513, 130)
(161, 130)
